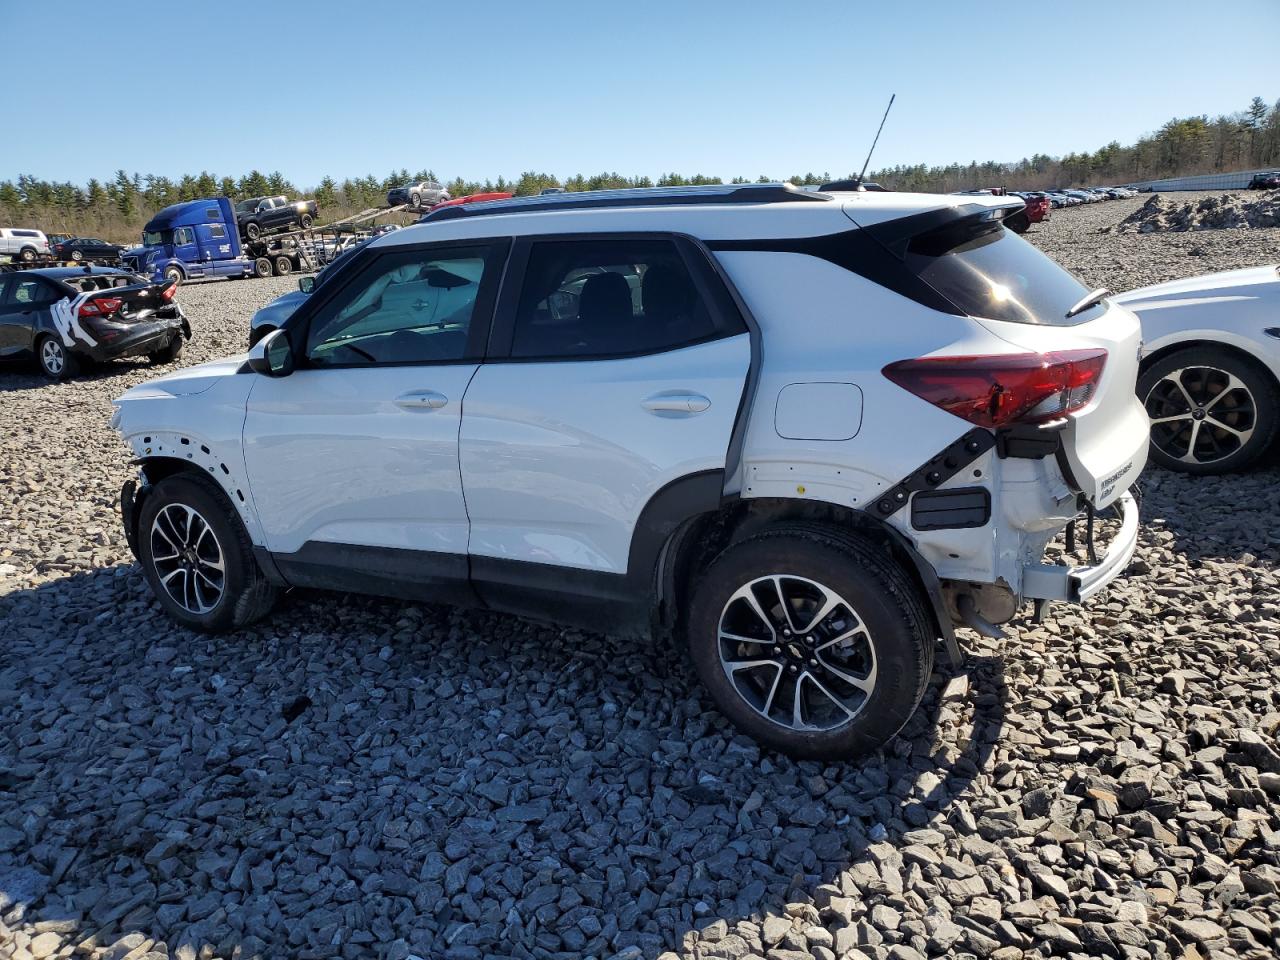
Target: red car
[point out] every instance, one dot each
(1035, 209)
(472, 198)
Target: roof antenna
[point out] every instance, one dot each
(856, 182)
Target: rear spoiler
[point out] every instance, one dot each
(896, 235)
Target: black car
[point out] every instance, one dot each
(87, 250)
(63, 316)
(1265, 181)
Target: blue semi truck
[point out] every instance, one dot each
(200, 239)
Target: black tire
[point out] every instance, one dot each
(899, 634)
(415, 199)
(174, 274)
(284, 266)
(262, 267)
(55, 360)
(252, 231)
(27, 254)
(168, 353)
(305, 221)
(245, 594)
(1236, 424)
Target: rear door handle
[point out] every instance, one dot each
(676, 402)
(421, 400)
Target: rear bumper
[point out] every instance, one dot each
(1043, 581)
(138, 338)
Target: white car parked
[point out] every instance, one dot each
(810, 432)
(26, 245)
(1210, 375)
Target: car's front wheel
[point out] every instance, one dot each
(811, 640)
(56, 361)
(197, 557)
(1212, 410)
(252, 231)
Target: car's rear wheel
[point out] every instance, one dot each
(197, 557)
(811, 641)
(168, 353)
(174, 274)
(27, 255)
(56, 362)
(416, 200)
(284, 266)
(252, 231)
(306, 221)
(77, 256)
(1212, 410)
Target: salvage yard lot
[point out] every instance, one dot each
(365, 778)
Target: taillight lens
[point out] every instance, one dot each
(102, 307)
(995, 391)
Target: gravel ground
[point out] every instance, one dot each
(361, 778)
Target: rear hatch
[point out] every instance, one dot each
(1035, 306)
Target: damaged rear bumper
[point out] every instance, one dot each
(1044, 581)
(133, 339)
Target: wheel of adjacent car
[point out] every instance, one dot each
(262, 267)
(77, 256)
(56, 362)
(1212, 410)
(305, 220)
(197, 557)
(27, 254)
(415, 199)
(811, 640)
(168, 353)
(252, 231)
(284, 266)
(174, 274)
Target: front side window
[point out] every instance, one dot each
(589, 298)
(407, 306)
(184, 235)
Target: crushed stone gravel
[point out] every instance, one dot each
(1170, 212)
(366, 778)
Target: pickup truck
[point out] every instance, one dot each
(258, 215)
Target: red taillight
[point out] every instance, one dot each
(102, 307)
(167, 293)
(995, 391)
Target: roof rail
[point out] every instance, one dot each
(636, 197)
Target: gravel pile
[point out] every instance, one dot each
(362, 778)
(1213, 212)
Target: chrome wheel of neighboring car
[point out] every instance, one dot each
(187, 558)
(52, 357)
(1201, 414)
(797, 652)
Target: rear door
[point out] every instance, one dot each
(616, 367)
(15, 334)
(353, 458)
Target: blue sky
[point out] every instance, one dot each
(479, 89)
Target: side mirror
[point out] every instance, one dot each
(306, 284)
(272, 356)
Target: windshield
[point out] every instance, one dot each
(156, 238)
(247, 206)
(990, 272)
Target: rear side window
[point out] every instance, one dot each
(217, 232)
(987, 271)
(26, 233)
(31, 293)
(588, 298)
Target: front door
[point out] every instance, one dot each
(353, 458)
(186, 250)
(620, 370)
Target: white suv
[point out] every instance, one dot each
(19, 243)
(809, 432)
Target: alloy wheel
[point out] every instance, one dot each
(1201, 414)
(797, 652)
(52, 356)
(187, 558)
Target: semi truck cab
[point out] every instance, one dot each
(188, 240)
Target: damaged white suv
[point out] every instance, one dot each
(809, 432)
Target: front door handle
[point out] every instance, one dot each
(421, 400)
(675, 402)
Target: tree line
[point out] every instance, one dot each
(117, 208)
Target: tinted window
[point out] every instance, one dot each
(183, 235)
(213, 213)
(31, 293)
(216, 231)
(26, 233)
(987, 271)
(411, 306)
(588, 298)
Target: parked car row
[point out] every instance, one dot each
(1063, 197)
